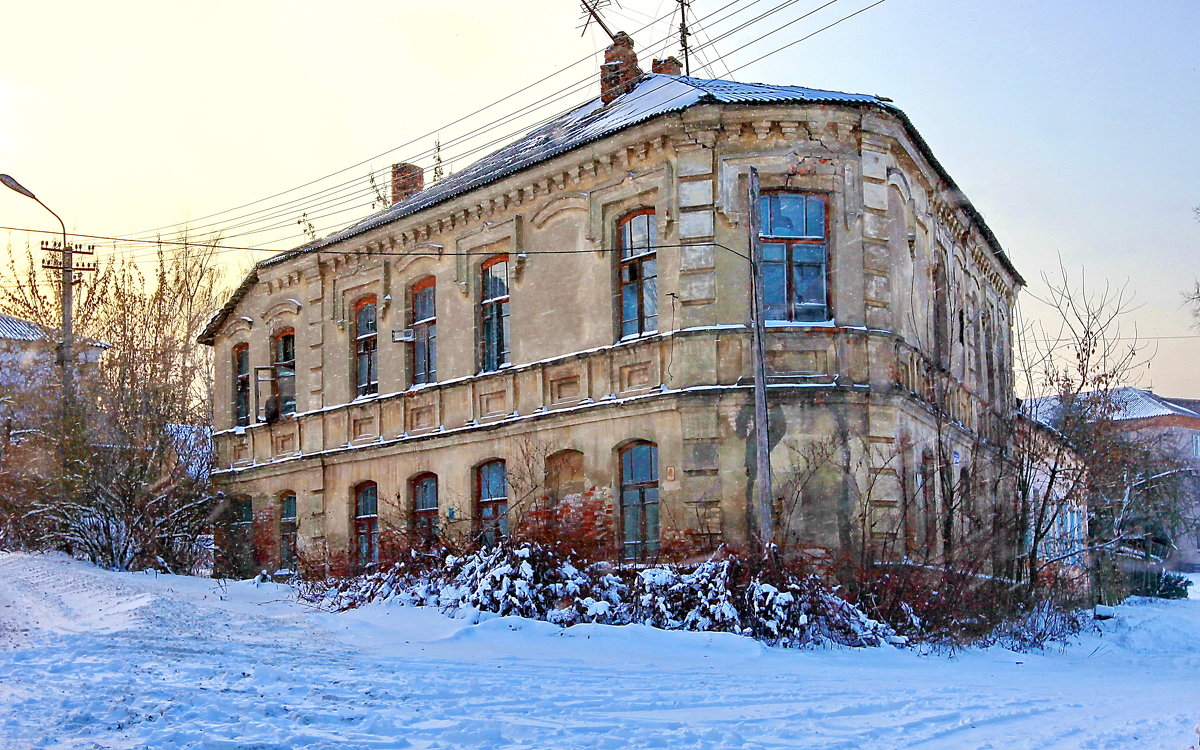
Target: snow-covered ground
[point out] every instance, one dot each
(92, 659)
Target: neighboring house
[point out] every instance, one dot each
(29, 374)
(563, 324)
(1172, 426)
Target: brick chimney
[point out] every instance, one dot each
(620, 69)
(407, 181)
(669, 66)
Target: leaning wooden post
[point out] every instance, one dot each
(762, 453)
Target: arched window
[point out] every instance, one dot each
(366, 525)
(637, 272)
(283, 362)
(639, 500)
(493, 313)
(491, 501)
(423, 352)
(366, 345)
(795, 257)
(425, 507)
(241, 384)
(287, 531)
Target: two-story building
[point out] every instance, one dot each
(560, 331)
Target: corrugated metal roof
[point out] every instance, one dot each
(19, 329)
(1126, 403)
(654, 95)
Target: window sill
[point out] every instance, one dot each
(636, 336)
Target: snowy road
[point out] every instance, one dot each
(91, 659)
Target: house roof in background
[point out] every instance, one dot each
(1127, 403)
(19, 329)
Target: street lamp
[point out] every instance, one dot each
(66, 353)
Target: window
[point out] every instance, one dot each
(637, 273)
(283, 350)
(424, 324)
(241, 384)
(366, 525)
(366, 344)
(243, 512)
(239, 552)
(425, 507)
(794, 257)
(639, 500)
(493, 313)
(1196, 445)
(491, 495)
(287, 531)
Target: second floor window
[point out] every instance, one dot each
(366, 345)
(795, 260)
(366, 525)
(424, 325)
(637, 273)
(493, 313)
(241, 384)
(283, 350)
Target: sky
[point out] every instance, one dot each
(1070, 125)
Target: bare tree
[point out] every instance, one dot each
(1071, 449)
(136, 444)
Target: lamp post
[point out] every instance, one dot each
(66, 351)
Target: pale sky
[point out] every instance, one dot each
(1071, 125)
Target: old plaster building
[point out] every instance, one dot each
(561, 329)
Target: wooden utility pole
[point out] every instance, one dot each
(762, 452)
(683, 35)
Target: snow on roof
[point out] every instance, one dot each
(1126, 402)
(653, 95)
(19, 329)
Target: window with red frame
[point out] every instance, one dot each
(493, 313)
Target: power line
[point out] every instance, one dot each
(466, 136)
(280, 210)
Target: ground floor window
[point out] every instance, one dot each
(491, 494)
(425, 508)
(639, 500)
(287, 531)
(366, 525)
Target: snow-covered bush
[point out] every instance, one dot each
(761, 599)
